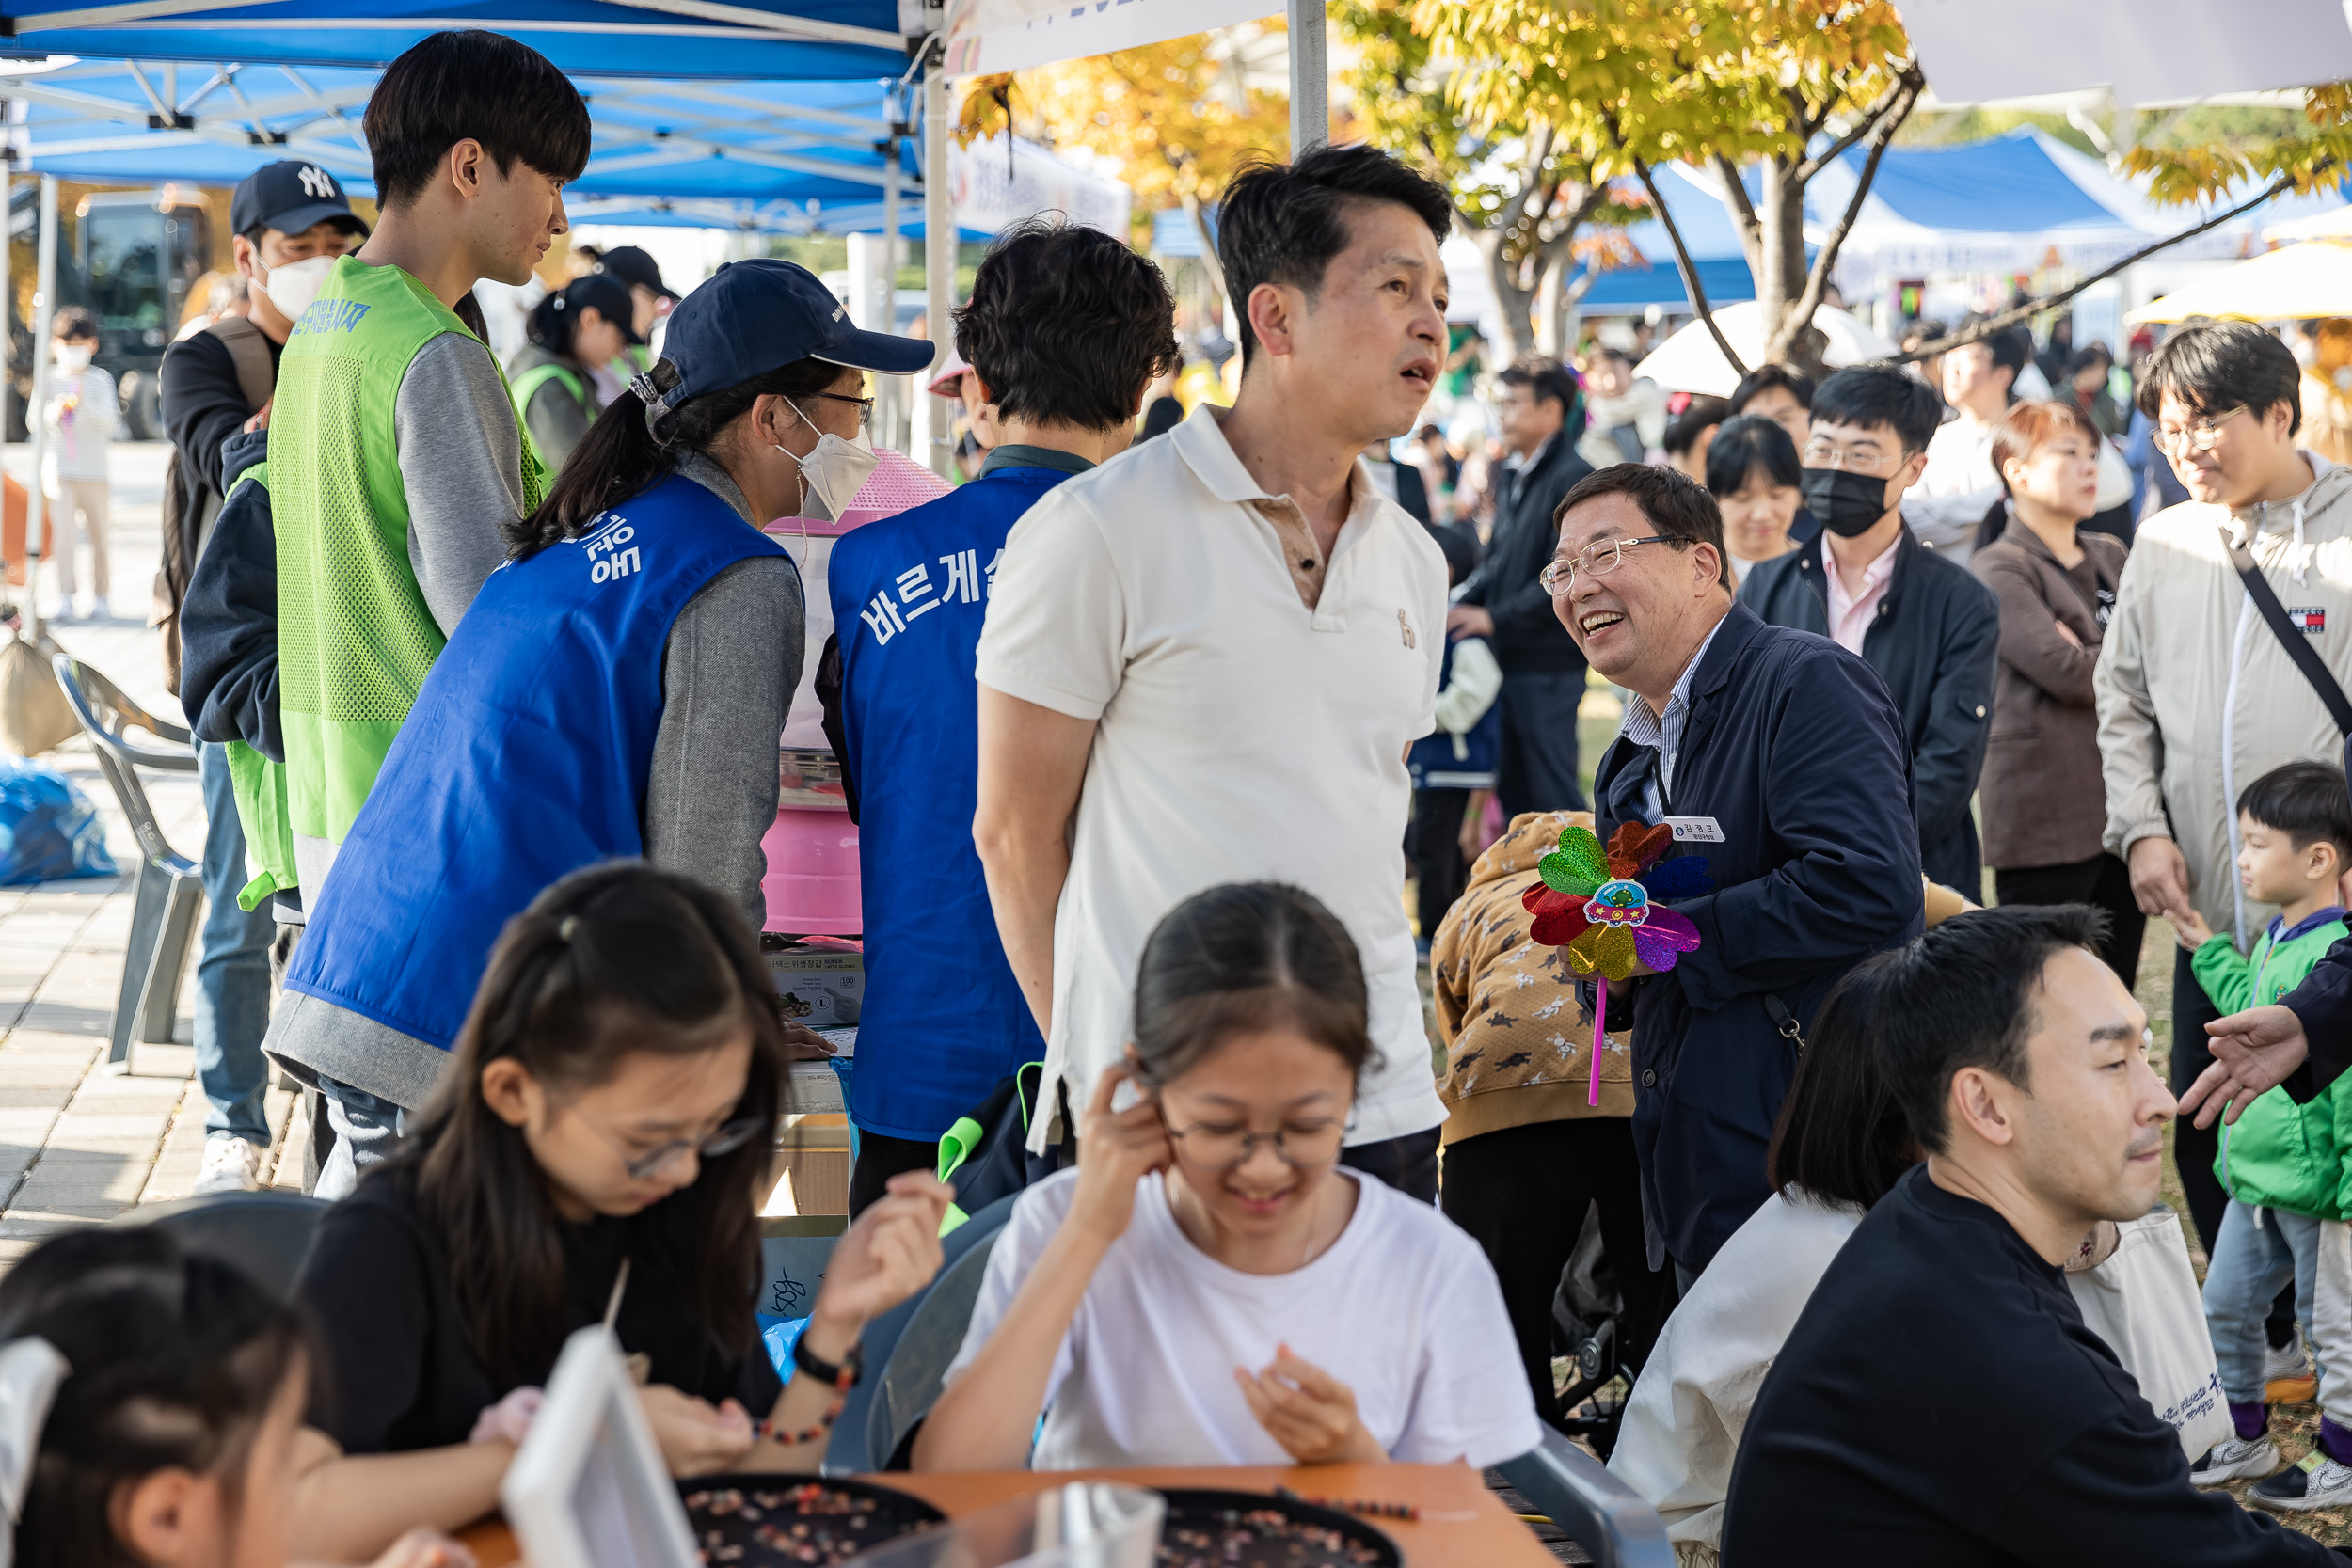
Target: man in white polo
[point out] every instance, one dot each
(1204, 661)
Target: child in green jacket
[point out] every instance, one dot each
(2283, 1163)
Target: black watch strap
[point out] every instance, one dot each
(844, 1374)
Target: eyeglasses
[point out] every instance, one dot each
(865, 406)
(1595, 561)
(729, 1137)
(1870, 462)
(1220, 1145)
(2199, 437)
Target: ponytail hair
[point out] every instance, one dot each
(1244, 957)
(551, 322)
(175, 1359)
(610, 961)
(623, 455)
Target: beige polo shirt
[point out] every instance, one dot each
(1253, 704)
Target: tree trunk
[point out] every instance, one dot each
(1550, 318)
(1511, 300)
(1779, 283)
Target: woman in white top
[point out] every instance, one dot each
(1840, 1143)
(1208, 1287)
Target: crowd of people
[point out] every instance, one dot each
(490, 692)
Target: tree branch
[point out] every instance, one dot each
(1742, 212)
(2032, 308)
(1825, 261)
(1910, 81)
(1688, 269)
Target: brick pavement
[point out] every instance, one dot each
(79, 1145)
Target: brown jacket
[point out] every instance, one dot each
(1518, 1048)
(2041, 793)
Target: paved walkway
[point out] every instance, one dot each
(79, 1145)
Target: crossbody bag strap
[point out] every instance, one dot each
(1784, 1022)
(2299, 647)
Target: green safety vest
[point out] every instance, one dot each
(354, 637)
(260, 788)
(526, 386)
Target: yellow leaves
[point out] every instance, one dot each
(2209, 171)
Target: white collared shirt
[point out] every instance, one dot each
(1253, 701)
(1662, 732)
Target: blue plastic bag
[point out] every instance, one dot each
(48, 828)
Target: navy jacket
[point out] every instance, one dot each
(1528, 634)
(1937, 644)
(228, 621)
(1793, 749)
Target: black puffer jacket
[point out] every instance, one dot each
(1935, 643)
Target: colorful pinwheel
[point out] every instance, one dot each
(1599, 907)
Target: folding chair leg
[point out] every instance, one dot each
(159, 999)
(149, 896)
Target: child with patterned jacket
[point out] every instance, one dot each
(2283, 1163)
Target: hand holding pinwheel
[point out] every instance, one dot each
(1597, 906)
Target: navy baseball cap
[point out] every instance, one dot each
(759, 315)
(290, 196)
(610, 297)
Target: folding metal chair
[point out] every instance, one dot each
(907, 1348)
(1596, 1509)
(167, 900)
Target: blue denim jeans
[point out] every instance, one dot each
(232, 968)
(2256, 1253)
(367, 1131)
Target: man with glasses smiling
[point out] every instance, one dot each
(2197, 694)
(1922, 621)
(1777, 756)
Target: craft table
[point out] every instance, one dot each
(1461, 1523)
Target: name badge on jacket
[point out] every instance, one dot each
(1694, 830)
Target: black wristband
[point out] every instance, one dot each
(843, 1376)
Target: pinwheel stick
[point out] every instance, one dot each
(1600, 1021)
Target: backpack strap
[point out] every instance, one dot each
(257, 376)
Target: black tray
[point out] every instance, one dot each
(733, 1539)
(1349, 1543)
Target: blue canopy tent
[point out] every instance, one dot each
(1714, 246)
(777, 40)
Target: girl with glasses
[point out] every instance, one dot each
(1210, 1285)
(596, 1152)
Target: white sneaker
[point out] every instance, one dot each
(232, 1164)
(99, 609)
(2289, 1362)
(2235, 1458)
(2305, 1485)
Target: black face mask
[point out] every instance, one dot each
(1847, 503)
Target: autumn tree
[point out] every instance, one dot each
(1784, 86)
(1174, 120)
(1526, 189)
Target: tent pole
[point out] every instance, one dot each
(895, 400)
(939, 256)
(1310, 77)
(36, 422)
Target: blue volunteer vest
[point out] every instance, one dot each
(524, 758)
(1435, 762)
(943, 1020)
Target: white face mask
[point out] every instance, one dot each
(293, 286)
(73, 357)
(834, 471)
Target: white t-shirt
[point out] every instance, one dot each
(1403, 1308)
(1690, 1404)
(1240, 735)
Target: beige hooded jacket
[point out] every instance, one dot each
(2196, 697)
